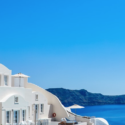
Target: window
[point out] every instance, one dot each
(5, 80)
(36, 108)
(23, 113)
(36, 97)
(15, 116)
(42, 107)
(16, 100)
(8, 117)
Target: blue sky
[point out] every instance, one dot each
(74, 44)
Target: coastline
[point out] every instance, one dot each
(85, 98)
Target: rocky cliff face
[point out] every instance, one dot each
(83, 97)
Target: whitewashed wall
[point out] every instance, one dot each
(26, 100)
(4, 71)
(58, 108)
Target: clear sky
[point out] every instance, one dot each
(74, 44)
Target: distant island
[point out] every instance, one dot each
(83, 97)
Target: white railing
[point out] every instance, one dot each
(43, 122)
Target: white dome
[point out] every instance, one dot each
(101, 121)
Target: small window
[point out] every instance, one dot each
(8, 117)
(36, 108)
(23, 115)
(15, 116)
(36, 97)
(16, 100)
(5, 80)
(42, 107)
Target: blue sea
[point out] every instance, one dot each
(114, 114)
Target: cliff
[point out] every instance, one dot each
(83, 97)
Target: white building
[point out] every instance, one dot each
(23, 101)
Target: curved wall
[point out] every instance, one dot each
(58, 108)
